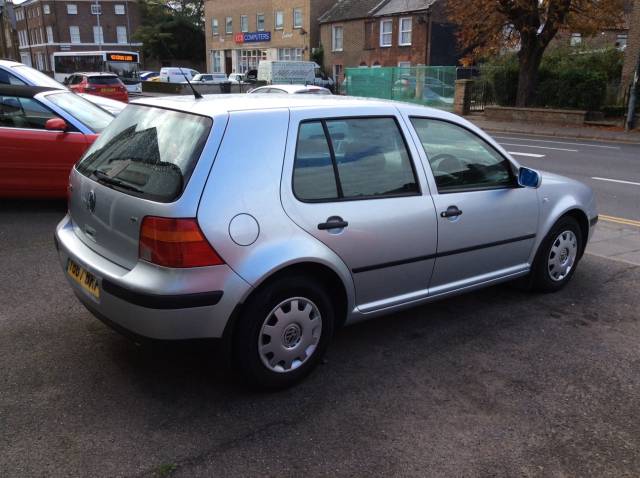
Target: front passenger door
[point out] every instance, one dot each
(486, 222)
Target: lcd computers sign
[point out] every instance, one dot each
(252, 37)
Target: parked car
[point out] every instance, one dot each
(292, 90)
(236, 78)
(106, 85)
(210, 78)
(357, 208)
(147, 75)
(14, 73)
(43, 132)
(176, 74)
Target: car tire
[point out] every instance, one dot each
(558, 256)
(282, 332)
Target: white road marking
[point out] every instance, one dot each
(558, 142)
(529, 155)
(617, 181)
(539, 147)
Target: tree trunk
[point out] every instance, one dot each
(529, 57)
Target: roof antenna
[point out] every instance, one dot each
(195, 93)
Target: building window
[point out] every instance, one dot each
(217, 63)
(96, 9)
(297, 18)
(621, 41)
(336, 38)
(72, 9)
(214, 26)
(576, 39)
(97, 35)
(279, 20)
(249, 59)
(386, 33)
(49, 34)
(244, 23)
(404, 32)
(290, 54)
(40, 61)
(404, 64)
(46, 9)
(260, 22)
(229, 25)
(74, 34)
(118, 9)
(121, 34)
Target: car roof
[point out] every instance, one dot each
(9, 63)
(24, 91)
(94, 73)
(212, 105)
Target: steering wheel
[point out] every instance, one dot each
(445, 175)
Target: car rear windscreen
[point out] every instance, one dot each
(104, 80)
(147, 152)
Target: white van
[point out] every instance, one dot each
(176, 74)
(292, 72)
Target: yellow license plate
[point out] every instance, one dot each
(86, 280)
(108, 90)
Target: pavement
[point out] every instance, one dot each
(496, 383)
(600, 133)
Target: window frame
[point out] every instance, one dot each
(513, 170)
(244, 23)
(70, 6)
(116, 10)
(71, 35)
(334, 28)
(215, 26)
(264, 22)
(401, 31)
(277, 26)
(382, 33)
(323, 121)
(297, 9)
(228, 25)
(46, 9)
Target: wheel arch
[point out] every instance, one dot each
(322, 272)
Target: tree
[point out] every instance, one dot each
(172, 29)
(488, 26)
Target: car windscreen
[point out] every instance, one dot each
(104, 80)
(147, 152)
(84, 111)
(37, 78)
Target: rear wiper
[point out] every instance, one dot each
(104, 178)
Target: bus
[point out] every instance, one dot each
(125, 64)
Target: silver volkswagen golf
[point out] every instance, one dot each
(271, 221)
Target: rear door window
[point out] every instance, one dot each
(148, 152)
(104, 80)
(23, 113)
(367, 157)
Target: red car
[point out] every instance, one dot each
(99, 84)
(43, 132)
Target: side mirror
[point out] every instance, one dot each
(528, 178)
(56, 124)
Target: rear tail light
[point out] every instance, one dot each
(175, 243)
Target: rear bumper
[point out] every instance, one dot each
(152, 301)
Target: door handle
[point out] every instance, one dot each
(334, 222)
(452, 211)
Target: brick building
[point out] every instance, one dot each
(8, 36)
(371, 33)
(632, 50)
(241, 33)
(48, 26)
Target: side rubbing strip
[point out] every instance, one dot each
(383, 265)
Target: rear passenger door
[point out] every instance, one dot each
(354, 184)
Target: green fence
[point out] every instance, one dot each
(426, 85)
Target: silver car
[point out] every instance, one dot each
(271, 221)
